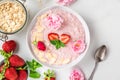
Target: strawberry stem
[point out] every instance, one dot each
(48, 74)
(35, 42)
(6, 62)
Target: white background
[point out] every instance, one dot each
(103, 19)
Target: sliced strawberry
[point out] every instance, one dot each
(65, 38)
(53, 36)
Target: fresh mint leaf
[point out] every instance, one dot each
(57, 43)
(36, 64)
(30, 65)
(58, 46)
(53, 42)
(33, 65)
(62, 44)
(34, 74)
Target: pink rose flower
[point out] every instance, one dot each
(53, 21)
(65, 2)
(78, 46)
(76, 75)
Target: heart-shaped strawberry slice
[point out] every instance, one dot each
(65, 38)
(53, 36)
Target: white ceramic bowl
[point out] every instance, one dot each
(87, 37)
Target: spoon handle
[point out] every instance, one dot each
(93, 72)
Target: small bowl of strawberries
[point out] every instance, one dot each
(13, 67)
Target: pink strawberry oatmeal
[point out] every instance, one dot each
(76, 75)
(62, 37)
(65, 2)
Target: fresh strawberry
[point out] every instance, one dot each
(11, 73)
(53, 36)
(5, 79)
(9, 46)
(22, 75)
(65, 38)
(51, 78)
(41, 46)
(16, 61)
(49, 75)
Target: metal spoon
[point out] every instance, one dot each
(100, 55)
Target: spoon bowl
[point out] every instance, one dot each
(101, 53)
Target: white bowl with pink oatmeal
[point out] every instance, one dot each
(58, 37)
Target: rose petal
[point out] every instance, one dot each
(76, 75)
(78, 46)
(53, 21)
(66, 2)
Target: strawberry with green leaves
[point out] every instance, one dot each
(40, 45)
(49, 75)
(9, 46)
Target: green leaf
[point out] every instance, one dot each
(33, 65)
(62, 44)
(30, 65)
(34, 74)
(36, 64)
(57, 43)
(35, 42)
(6, 55)
(49, 73)
(6, 62)
(22, 68)
(53, 42)
(57, 46)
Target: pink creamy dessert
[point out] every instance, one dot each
(62, 37)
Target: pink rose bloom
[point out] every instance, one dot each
(66, 2)
(76, 75)
(53, 21)
(78, 46)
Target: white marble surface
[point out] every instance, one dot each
(103, 19)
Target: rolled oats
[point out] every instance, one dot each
(12, 16)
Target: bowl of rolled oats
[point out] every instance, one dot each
(13, 16)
